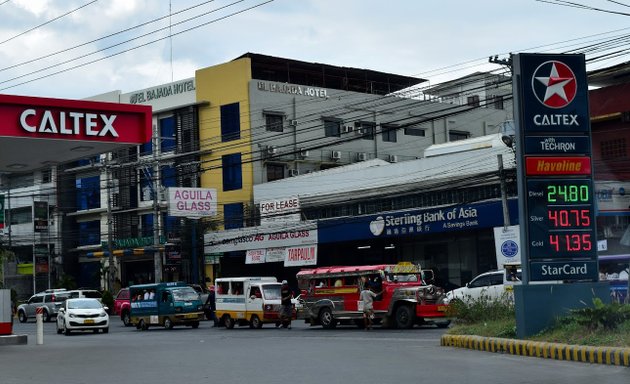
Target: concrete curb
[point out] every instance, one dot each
(556, 351)
(13, 340)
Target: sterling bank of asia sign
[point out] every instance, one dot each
(59, 119)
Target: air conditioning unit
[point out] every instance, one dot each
(304, 152)
(393, 158)
(294, 172)
(359, 131)
(335, 155)
(347, 128)
(293, 122)
(362, 156)
(271, 150)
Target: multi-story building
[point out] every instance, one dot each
(235, 125)
(270, 118)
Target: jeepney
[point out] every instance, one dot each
(330, 296)
(252, 301)
(164, 304)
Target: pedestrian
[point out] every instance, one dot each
(367, 297)
(286, 309)
(210, 307)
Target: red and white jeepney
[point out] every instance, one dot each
(330, 295)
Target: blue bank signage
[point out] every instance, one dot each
(415, 222)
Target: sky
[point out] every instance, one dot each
(80, 48)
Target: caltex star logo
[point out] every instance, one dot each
(554, 84)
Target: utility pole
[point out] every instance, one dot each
(506, 213)
(157, 254)
(110, 246)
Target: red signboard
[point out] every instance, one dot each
(60, 119)
(551, 166)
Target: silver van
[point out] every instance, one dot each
(51, 300)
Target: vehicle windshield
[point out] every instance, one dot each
(271, 291)
(59, 297)
(403, 277)
(185, 294)
(84, 304)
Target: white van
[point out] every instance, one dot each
(252, 301)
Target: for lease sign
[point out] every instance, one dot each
(192, 202)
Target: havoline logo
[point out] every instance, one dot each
(554, 84)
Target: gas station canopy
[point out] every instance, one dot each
(40, 132)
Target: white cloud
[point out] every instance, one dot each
(404, 37)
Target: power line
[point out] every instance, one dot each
(123, 51)
(105, 37)
(47, 22)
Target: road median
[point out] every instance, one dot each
(546, 350)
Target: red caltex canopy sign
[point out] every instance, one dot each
(44, 118)
(36, 132)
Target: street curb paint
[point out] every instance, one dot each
(546, 350)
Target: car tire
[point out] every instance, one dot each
(126, 318)
(59, 330)
(142, 325)
(404, 317)
(326, 318)
(22, 317)
(66, 331)
(45, 316)
(443, 324)
(228, 321)
(168, 323)
(255, 322)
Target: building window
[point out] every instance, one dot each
(146, 149)
(22, 215)
(230, 122)
(168, 176)
(332, 128)
(414, 132)
(366, 130)
(46, 176)
(88, 193)
(613, 149)
(275, 172)
(167, 134)
(233, 215)
(232, 172)
(389, 133)
(458, 135)
(274, 122)
(497, 102)
(147, 225)
(473, 101)
(90, 232)
(146, 184)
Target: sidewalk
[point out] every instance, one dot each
(545, 350)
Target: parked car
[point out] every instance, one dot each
(491, 285)
(51, 300)
(82, 315)
(122, 306)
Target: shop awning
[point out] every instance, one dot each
(125, 252)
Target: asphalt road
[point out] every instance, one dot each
(300, 355)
